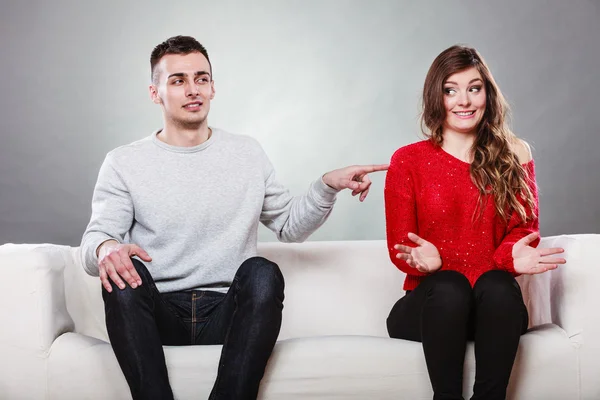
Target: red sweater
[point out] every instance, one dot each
(430, 192)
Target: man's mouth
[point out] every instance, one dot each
(194, 105)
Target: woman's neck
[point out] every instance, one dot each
(459, 144)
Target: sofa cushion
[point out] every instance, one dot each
(329, 367)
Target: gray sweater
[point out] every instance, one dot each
(195, 210)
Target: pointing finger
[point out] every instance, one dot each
(373, 168)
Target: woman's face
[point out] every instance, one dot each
(464, 100)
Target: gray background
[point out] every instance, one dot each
(321, 84)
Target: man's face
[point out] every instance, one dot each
(183, 86)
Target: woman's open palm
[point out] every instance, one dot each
(424, 258)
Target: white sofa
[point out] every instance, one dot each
(333, 343)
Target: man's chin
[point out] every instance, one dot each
(190, 124)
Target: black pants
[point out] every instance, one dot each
(443, 312)
(246, 321)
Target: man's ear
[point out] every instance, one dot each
(212, 89)
(154, 94)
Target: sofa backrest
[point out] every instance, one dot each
(336, 288)
(332, 288)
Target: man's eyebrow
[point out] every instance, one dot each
(182, 74)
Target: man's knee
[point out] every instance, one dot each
(142, 271)
(262, 279)
(128, 296)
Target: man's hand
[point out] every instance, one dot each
(424, 258)
(114, 262)
(354, 177)
(529, 260)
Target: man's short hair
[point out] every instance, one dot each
(176, 45)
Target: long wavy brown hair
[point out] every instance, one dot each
(495, 169)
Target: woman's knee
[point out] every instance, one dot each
(450, 287)
(498, 286)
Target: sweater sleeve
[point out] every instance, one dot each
(294, 219)
(400, 210)
(112, 214)
(517, 228)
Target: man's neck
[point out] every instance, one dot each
(459, 144)
(181, 137)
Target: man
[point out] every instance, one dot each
(187, 201)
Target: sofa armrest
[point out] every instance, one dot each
(33, 315)
(32, 295)
(567, 296)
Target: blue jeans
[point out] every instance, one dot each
(246, 321)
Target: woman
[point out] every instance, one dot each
(462, 222)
